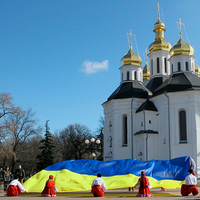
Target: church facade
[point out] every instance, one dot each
(156, 118)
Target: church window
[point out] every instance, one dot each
(182, 126)
(149, 121)
(172, 68)
(122, 76)
(179, 66)
(141, 124)
(128, 76)
(186, 66)
(135, 75)
(110, 141)
(165, 61)
(158, 66)
(125, 131)
(151, 67)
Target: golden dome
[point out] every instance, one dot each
(146, 72)
(159, 43)
(159, 24)
(197, 69)
(131, 58)
(181, 48)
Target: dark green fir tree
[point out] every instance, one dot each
(45, 158)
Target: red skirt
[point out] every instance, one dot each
(48, 192)
(144, 192)
(13, 190)
(187, 189)
(97, 191)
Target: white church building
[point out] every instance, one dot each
(157, 118)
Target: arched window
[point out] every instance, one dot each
(110, 138)
(135, 75)
(179, 66)
(182, 126)
(186, 66)
(165, 63)
(128, 76)
(125, 131)
(172, 70)
(151, 67)
(158, 66)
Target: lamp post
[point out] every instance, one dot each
(92, 146)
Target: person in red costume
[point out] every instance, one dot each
(50, 188)
(15, 187)
(98, 186)
(190, 185)
(144, 186)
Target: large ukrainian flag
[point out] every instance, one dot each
(77, 175)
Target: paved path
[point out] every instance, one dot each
(169, 194)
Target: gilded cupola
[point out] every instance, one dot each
(181, 48)
(197, 69)
(146, 72)
(159, 43)
(131, 58)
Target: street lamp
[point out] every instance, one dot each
(92, 147)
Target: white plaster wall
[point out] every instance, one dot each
(114, 111)
(139, 147)
(182, 59)
(161, 55)
(161, 119)
(158, 143)
(190, 101)
(153, 146)
(131, 68)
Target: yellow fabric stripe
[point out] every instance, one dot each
(67, 181)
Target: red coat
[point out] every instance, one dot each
(49, 190)
(187, 189)
(13, 190)
(97, 191)
(144, 188)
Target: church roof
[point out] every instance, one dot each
(147, 105)
(180, 81)
(130, 89)
(154, 83)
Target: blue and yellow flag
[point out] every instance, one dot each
(78, 175)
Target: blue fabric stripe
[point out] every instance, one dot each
(174, 169)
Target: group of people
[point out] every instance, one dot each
(6, 176)
(98, 186)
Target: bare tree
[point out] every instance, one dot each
(20, 125)
(6, 108)
(72, 141)
(26, 155)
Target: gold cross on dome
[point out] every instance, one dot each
(158, 6)
(130, 36)
(180, 23)
(145, 54)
